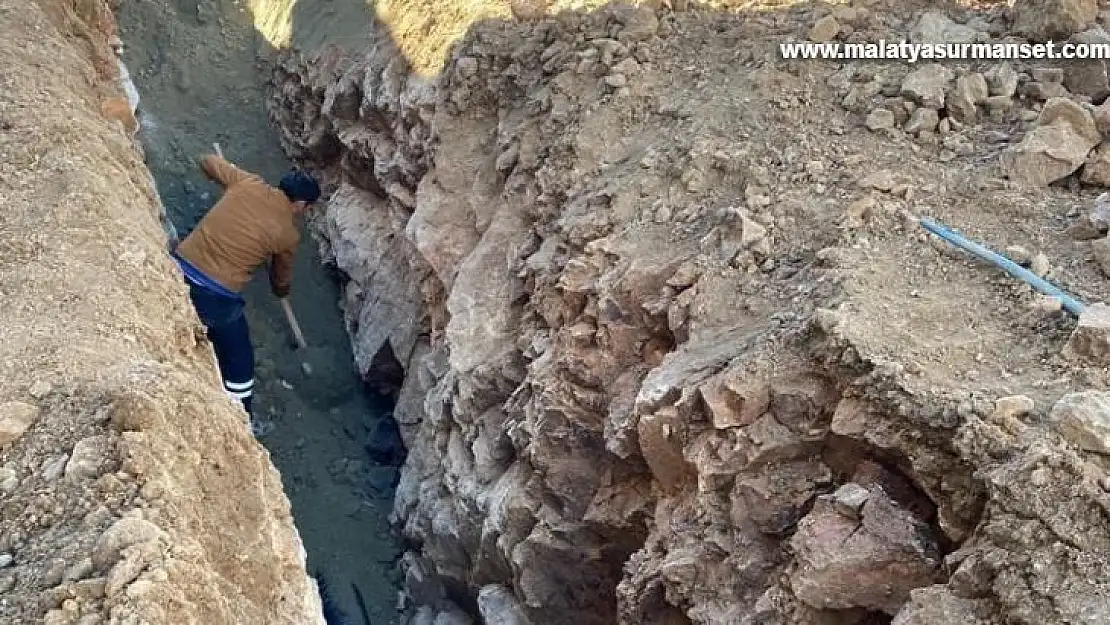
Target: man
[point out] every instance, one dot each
(251, 224)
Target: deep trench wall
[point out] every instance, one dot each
(133, 491)
(660, 333)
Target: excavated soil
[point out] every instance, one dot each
(685, 354)
(131, 490)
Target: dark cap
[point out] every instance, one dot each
(300, 186)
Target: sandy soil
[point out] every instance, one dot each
(119, 453)
(199, 67)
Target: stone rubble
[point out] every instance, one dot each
(689, 358)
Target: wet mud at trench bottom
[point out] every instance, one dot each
(199, 68)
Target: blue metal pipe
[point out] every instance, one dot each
(1070, 304)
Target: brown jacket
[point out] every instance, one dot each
(252, 223)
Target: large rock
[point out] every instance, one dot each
(1088, 77)
(482, 326)
(1056, 20)
(1063, 110)
(927, 85)
(871, 563)
(1084, 419)
(1056, 147)
(383, 295)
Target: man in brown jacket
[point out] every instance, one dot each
(250, 225)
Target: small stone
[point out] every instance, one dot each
(1088, 227)
(53, 575)
(1090, 341)
(1055, 148)
(54, 468)
(1087, 78)
(825, 29)
(935, 27)
(616, 81)
(5, 560)
(1008, 409)
(467, 66)
(971, 90)
(1101, 250)
(686, 275)
(1084, 419)
(1046, 304)
(40, 389)
(16, 418)
(1048, 75)
(8, 480)
(959, 144)
(662, 214)
(1002, 80)
(751, 233)
(1013, 406)
(79, 571)
(734, 403)
(88, 454)
(882, 180)
(999, 102)
(1019, 255)
(922, 119)
(1040, 265)
(1096, 171)
(850, 499)
(880, 119)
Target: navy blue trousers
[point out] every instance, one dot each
(227, 329)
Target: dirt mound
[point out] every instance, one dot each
(119, 452)
(685, 354)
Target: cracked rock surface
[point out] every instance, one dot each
(675, 351)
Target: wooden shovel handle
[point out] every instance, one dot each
(293, 323)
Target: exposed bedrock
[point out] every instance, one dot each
(649, 367)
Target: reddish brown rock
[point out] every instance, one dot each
(872, 563)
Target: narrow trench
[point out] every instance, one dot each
(199, 67)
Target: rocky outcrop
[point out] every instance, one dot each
(119, 451)
(678, 353)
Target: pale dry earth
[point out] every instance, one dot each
(132, 490)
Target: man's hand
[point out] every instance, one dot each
(281, 273)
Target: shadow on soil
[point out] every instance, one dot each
(200, 69)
